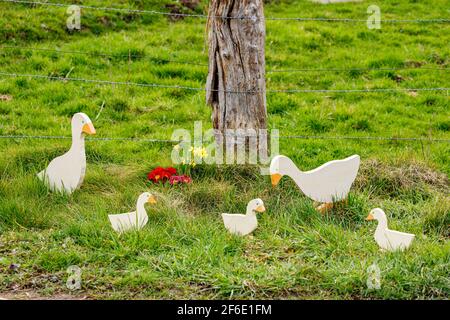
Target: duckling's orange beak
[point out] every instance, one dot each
(152, 199)
(88, 128)
(276, 177)
(260, 208)
(370, 217)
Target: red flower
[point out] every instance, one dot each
(161, 174)
(171, 170)
(179, 179)
(186, 179)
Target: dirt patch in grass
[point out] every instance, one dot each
(32, 295)
(5, 97)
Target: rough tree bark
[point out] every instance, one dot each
(236, 77)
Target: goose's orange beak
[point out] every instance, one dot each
(370, 217)
(88, 128)
(152, 199)
(276, 177)
(260, 209)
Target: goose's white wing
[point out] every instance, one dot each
(127, 221)
(239, 224)
(398, 240)
(331, 181)
(64, 173)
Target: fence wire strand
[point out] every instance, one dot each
(355, 69)
(205, 16)
(102, 54)
(289, 137)
(163, 86)
(134, 56)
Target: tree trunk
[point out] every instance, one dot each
(236, 87)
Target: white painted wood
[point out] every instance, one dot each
(66, 173)
(389, 240)
(328, 183)
(133, 220)
(243, 224)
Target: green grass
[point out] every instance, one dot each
(184, 251)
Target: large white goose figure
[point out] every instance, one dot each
(133, 220)
(327, 184)
(66, 173)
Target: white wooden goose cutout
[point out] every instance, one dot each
(243, 224)
(133, 220)
(66, 173)
(328, 183)
(389, 239)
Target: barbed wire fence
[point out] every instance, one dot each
(163, 86)
(302, 137)
(193, 63)
(205, 16)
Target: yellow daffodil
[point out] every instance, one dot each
(203, 153)
(200, 152)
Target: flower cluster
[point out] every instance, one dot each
(179, 179)
(199, 152)
(161, 174)
(195, 153)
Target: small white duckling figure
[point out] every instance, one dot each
(243, 224)
(389, 240)
(329, 183)
(133, 220)
(66, 173)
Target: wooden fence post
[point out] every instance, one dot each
(236, 86)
